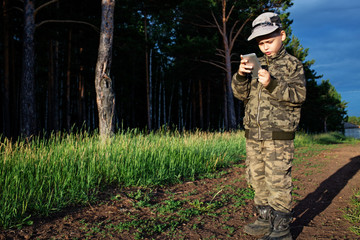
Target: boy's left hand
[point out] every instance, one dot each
(264, 77)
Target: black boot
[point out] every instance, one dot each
(262, 224)
(280, 226)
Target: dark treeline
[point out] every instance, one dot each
(172, 63)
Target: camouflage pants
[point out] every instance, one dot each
(269, 172)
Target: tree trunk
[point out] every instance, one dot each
(229, 39)
(208, 102)
(81, 101)
(68, 84)
(325, 124)
(170, 102)
(50, 87)
(6, 95)
(81, 92)
(229, 95)
(201, 110)
(27, 93)
(193, 115)
(159, 103)
(187, 115)
(53, 95)
(180, 107)
(163, 98)
(105, 97)
(15, 92)
(226, 120)
(150, 86)
(148, 78)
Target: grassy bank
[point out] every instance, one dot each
(46, 175)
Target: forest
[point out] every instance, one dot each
(171, 66)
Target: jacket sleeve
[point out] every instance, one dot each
(240, 86)
(292, 90)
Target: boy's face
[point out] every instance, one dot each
(271, 44)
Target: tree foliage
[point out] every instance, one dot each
(160, 65)
(354, 120)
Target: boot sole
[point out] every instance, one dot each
(257, 232)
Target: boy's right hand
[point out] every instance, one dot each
(244, 68)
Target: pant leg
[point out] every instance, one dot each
(278, 162)
(255, 171)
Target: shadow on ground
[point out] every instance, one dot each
(316, 202)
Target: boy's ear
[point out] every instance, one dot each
(283, 35)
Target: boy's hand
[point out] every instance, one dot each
(244, 68)
(264, 77)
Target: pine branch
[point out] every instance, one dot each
(232, 8)
(217, 24)
(221, 51)
(220, 55)
(44, 5)
(210, 24)
(232, 42)
(68, 21)
(218, 64)
(14, 8)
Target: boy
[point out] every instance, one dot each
(272, 113)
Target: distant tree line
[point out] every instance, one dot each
(354, 120)
(172, 63)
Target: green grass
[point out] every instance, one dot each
(45, 175)
(352, 214)
(306, 140)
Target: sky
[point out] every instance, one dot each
(331, 31)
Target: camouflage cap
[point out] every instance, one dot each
(264, 24)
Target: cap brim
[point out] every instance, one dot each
(262, 31)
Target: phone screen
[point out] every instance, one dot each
(254, 62)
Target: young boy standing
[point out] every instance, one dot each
(272, 113)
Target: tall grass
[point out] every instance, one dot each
(46, 175)
(42, 176)
(304, 140)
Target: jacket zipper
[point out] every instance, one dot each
(258, 112)
(258, 108)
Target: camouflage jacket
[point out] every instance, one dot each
(273, 112)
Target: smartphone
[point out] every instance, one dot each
(254, 62)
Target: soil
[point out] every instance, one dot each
(215, 207)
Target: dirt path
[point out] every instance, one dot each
(212, 208)
(325, 187)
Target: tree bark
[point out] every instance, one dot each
(164, 100)
(148, 77)
(6, 95)
(53, 94)
(105, 97)
(201, 110)
(193, 115)
(81, 91)
(226, 120)
(229, 38)
(27, 94)
(68, 83)
(159, 103)
(208, 103)
(180, 108)
(229, 95)
(81, 100)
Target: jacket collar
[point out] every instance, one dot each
(279, 54)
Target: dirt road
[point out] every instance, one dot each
(326, 184)
(212, 208)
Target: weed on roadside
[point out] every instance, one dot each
(352, 214)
